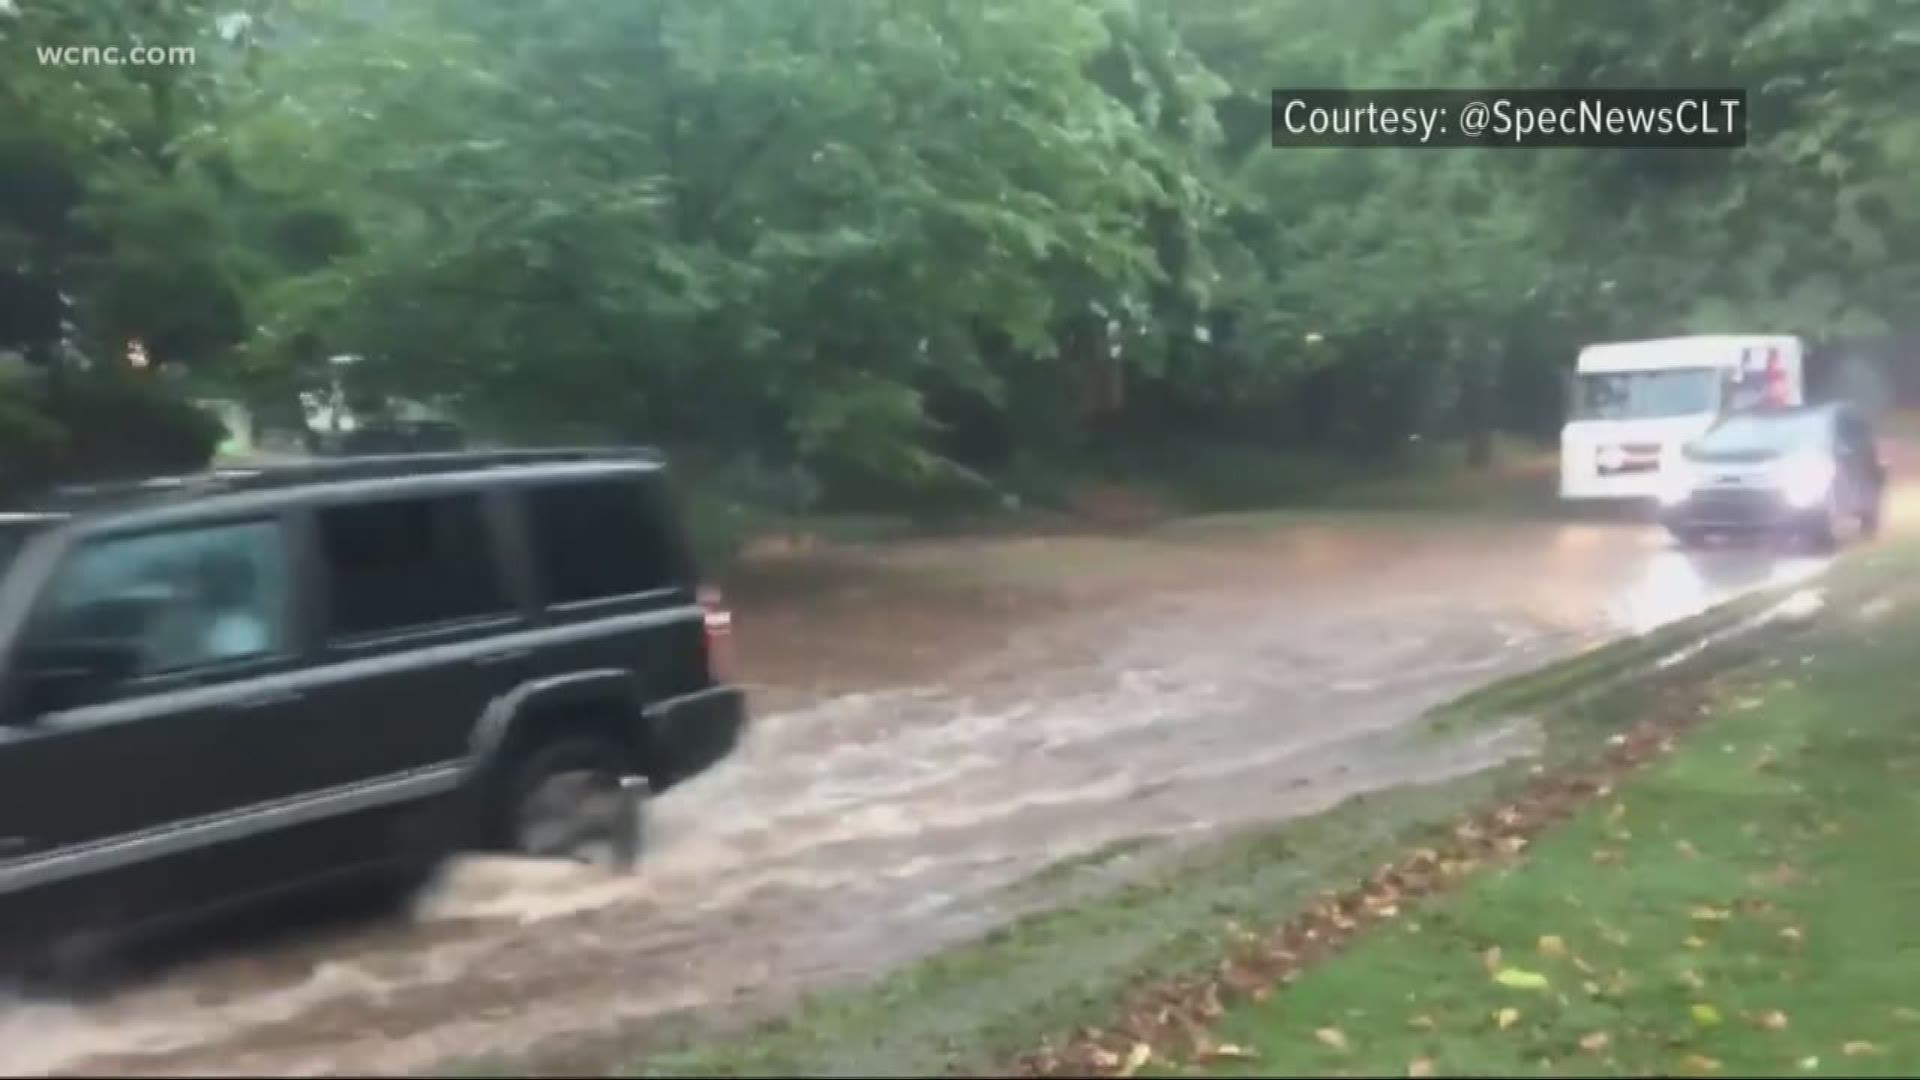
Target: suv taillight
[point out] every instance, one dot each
(719, 635)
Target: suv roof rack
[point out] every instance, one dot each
(363, 467)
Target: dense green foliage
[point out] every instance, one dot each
(916, 243)
(98, 427)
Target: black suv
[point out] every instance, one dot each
(223, 687)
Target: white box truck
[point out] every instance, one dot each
(1636, 404)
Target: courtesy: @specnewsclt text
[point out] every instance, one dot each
(1710, 119)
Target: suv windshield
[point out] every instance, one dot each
(1646, 395)
(1751, 434)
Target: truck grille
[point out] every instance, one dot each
(1627, 459)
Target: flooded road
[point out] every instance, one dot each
(937, 722)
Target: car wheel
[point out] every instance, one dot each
(1827, 533)
(570, 799)
(1870, 519)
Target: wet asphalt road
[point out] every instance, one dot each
(939, 721)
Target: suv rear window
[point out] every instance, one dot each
(410, 564)
(603, 538)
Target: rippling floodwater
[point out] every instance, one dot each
(1234, 676)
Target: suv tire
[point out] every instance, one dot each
(1870, 519)
(569, 799)
(1828, 535)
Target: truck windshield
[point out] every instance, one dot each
(1646, 395)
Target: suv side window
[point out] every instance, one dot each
(175, 600)
(409, 564)
(602, 538)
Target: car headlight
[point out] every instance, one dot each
(1805, 479)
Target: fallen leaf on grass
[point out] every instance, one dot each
(1687, 849)
(1552, 945)
(1691, 980)
(1694, 942)
(1809, 1063)
(1596, 1042)
(1705, 1015)
(1136, 1057)
(1773, 1020)
(1859, 1048)
(1793, 934)
(1711, 914)
(1420, 1067)
(1519, 979)
(1229, 1052)
(1423, 1022)
(1333, 1037)
(1506, 1018)
(1700, 1063)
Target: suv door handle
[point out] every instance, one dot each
(270, 701)
(495, 659)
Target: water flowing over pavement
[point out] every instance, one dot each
(917, 753)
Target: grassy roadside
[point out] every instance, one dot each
(1743, 905)
(974, 1008)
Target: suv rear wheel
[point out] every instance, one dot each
(571, 799)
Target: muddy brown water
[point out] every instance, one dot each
(937, 721)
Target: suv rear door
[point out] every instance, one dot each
(608, 560)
